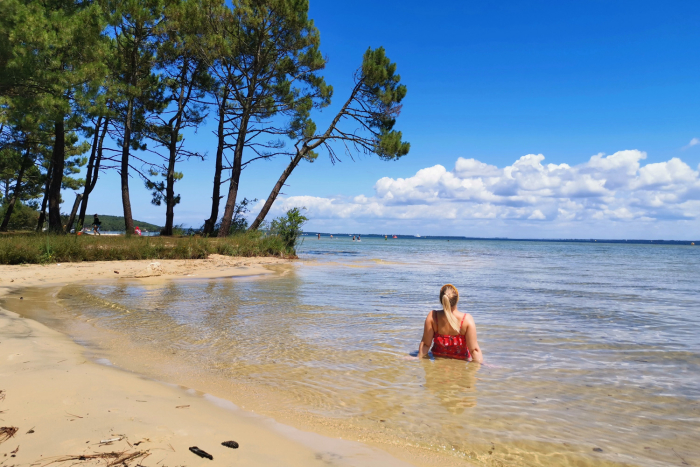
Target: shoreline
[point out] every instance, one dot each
(64, 404)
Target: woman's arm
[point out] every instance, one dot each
(472, 343)
(427, 341)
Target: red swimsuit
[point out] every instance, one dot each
(448, 346)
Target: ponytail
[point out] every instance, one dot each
(449, 296)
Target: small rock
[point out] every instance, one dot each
(597, 450)
(230, 444)
(21, 298)
(116, 272)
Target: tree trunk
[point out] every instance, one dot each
(92, 174)
(58, 159)
(276, 190)
(216, 195)
(16, 193)
(69, 226)
(235, 178)
(126, 202)
(170, 186)
(42, 214)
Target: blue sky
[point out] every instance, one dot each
(493, 82)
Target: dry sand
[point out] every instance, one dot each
(66, 406)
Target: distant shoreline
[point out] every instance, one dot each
(506, 239)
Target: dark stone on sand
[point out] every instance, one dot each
(597, 450)
(200, 453)
(230, 444)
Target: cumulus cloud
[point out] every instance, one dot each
(616, 188)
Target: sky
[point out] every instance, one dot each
(537, 119)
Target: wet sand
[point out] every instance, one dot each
(66, 406)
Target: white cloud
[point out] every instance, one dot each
(609, 189)
(693, 142)
(537, 215)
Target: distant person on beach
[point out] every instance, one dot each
(353, 238)
(96, 225)
(319, 236)
(451, 332)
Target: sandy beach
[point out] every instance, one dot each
(68, 409)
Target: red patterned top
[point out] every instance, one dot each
(448, 346)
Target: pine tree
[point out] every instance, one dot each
(273, 72)
(185, 82)
(373, 105)
(138, 89)
(51, 55)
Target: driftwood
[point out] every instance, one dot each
(200, 453)
(113, 458)
(7, 432)
(111, 440)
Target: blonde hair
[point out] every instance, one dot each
(449, 296)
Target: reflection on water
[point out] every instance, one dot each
(588, 347)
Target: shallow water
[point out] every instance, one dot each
(587, 347)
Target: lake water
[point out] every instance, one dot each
(592, 351)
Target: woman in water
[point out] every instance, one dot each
(451, 332)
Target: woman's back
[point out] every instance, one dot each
(443, 327)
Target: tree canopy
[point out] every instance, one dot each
(120, 84)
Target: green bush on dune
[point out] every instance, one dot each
(42, 248)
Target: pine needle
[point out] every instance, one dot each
(113, 458)
(7, 432)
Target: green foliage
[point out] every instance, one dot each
(42, 249)
(373, 105)
(24, 217)
(158, 188)
(74, 161)
(53, 54)
(289, 228)
(11, 161)
(383, 94)
(239, 223)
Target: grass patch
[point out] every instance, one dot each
(44, 249)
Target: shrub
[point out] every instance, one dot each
(288, 228)
(239, 223)
(43, 248)
(24, 217)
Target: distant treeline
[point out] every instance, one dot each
(116, 223)
(121, 85)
